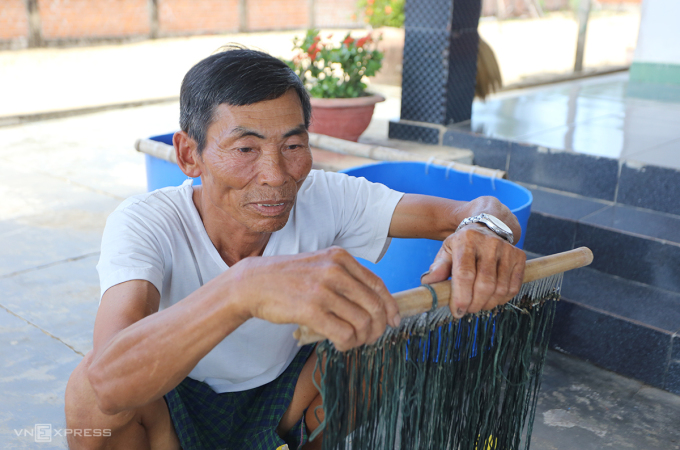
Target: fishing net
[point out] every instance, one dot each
(436, 382)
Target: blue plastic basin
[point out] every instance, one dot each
(407, 259)
(161, 173)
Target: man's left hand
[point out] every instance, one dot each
(485, 270)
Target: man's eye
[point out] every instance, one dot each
(245, 149)
(294, 146)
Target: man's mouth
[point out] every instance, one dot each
(271, 208)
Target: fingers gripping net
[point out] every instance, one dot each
(441, 383)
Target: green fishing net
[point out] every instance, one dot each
(440, 383)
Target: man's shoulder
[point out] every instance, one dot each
(158, 199)
(319, 181)
(156, 206)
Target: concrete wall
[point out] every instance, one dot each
(58, 22)
(659, 38)
(657, 55)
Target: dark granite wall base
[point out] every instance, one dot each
(629, 243)
(651, 187)
(585, 175)
(547, 234)
(673, 373)
(632, 257)
(612, 342)
(645, 305)
(489, 152)
(648, 187)
(673, 378)
(675, 350)
(625, 313)
(571, 172)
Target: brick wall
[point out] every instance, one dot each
(277, 14)
(203, 16)
(13, 19)
(102, 19)
(337, 13)
(69, 19)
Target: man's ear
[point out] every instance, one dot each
(186, 150)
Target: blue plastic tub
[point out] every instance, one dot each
(161, 173)
(407, 259)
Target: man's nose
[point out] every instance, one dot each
(272, 169)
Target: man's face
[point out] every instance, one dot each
(255, 159)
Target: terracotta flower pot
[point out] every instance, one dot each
(344, 118)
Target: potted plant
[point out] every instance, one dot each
(333, 73)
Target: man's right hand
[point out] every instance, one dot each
(327, 290)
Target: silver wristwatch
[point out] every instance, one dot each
(493, 222)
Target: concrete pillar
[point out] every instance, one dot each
(35, 38)
(655, 72)
(311, 14)
(439, 66)
(242, 16)
(153, 18)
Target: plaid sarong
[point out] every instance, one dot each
(246, 420)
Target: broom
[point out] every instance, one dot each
(489, 79)
(437, 382)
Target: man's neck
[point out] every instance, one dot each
(231, 239)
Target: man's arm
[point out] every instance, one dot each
(141, 354)
(485, 270)
(424, 216)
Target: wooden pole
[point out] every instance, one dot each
(311, 12)
(153, 19)
(419, 300)
(167, 152)
(242, 16)
(583, 15)
(35, 38)
(392, 154)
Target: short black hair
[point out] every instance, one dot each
(235, 76)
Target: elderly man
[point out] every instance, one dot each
(202, 286)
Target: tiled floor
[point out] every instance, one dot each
(592, 116)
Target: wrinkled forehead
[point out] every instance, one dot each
(269, 118)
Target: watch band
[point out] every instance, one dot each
(494, 224)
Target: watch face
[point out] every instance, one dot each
(499, 223)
